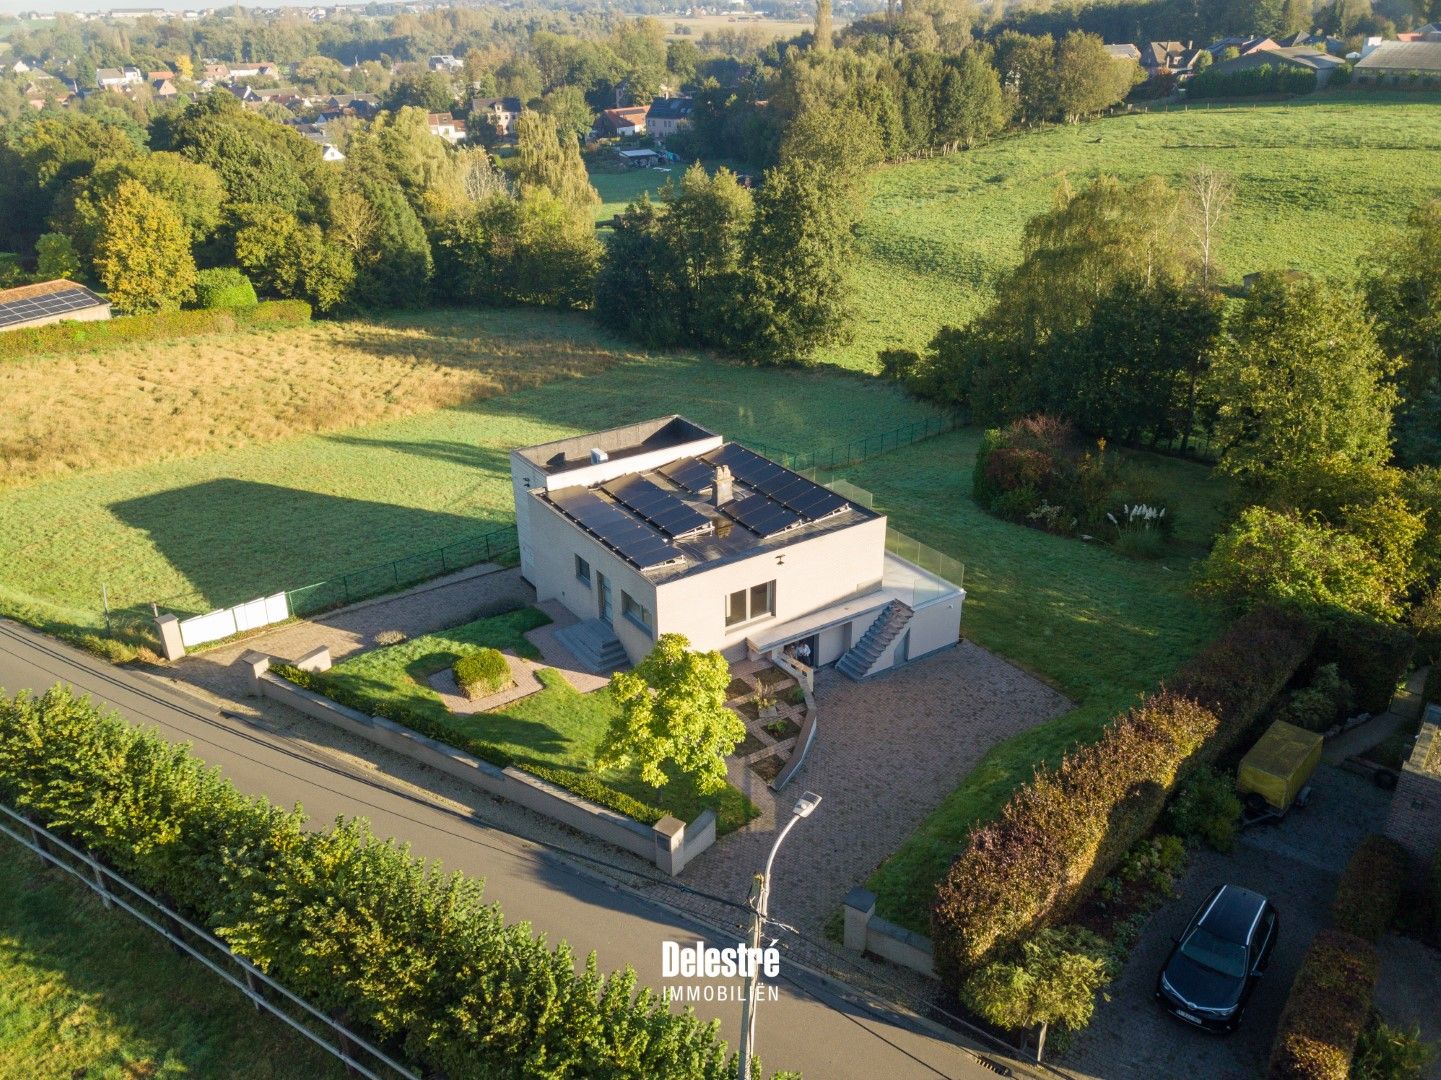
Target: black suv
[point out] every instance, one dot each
(1209, 976)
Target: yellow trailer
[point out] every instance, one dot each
(1277, 767)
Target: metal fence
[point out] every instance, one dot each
(860, 449)
(268, 996)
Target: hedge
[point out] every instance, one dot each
(482, 673)
(1372, 656)
(70, 336)
(224, 287)
(1326, 1010)
(1433, 896)
(342, 918)
(1370, 888)
(1061, 833)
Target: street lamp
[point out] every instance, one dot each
(759, 900)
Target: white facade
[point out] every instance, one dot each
(820, 586)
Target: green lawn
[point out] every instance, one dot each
(1100, 627)
(557, 729)
(223, 527)
(1321, 183)
(86, 992)
(620, 187)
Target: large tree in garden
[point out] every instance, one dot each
(544, 160)
(672, 714)
(1297, 382)
(142, 251)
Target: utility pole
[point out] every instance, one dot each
(759, 901)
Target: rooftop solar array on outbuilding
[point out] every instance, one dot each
(635, 542)
(45, 305)
(657, 506)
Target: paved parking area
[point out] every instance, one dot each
(1296, 863)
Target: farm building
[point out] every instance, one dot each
(50, 302)
(1303, 58)
(664, 527)
(1394, 61)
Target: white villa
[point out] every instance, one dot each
(664, 527)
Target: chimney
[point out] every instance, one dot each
(597, 456)
(723, 491)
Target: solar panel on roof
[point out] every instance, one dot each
(658, 506)
(761, 516)
(636, 543)
(693, 474)
(47, 305)
(804, 497)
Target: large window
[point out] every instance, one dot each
(582, 571)
(743, 605)
(637, 613)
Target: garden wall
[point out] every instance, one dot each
(670, 843)
(1414, 820)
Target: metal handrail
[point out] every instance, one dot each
(252, 975)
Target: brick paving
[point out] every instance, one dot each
(1295, 863)
(887, 751)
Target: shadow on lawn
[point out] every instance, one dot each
(224, 535)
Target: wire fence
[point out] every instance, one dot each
(854, 451)
(267, 995)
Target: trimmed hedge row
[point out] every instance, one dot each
(1370, 888)
(1326, 1010)
(1372, 656)
(344, 919)
(1068, 828)
(587, 787)
(70, 336)
(1061, 833)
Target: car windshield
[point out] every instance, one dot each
(1206, 949)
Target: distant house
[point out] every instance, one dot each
(117, 78)
(1168, 58)
(1124, 52)
(50, 302)
(445, 62)
(1303, 57)
(159, 76)
(329, 152)
(445, 126)
(1392, 61)
(164, 88)
(19, 67)
(254, 69)
(666, 116)
(622, 122)
(500, 113)
(1243, 46)
(217, 72)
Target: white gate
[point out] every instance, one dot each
(234, 620)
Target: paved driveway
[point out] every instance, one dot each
(1296, 863)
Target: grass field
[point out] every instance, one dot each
(556, 728)
(86, 992)
(1098, 626)
(138, 403)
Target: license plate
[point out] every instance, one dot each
(1189, 1017)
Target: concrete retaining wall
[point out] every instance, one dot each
(867, 933)
(669, 843)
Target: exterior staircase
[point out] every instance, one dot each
(594, 644)
(862, 657)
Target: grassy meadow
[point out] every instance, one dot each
(86, 992)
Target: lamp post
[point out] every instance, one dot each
(760, 901)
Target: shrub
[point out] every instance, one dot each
(1370, 888)
(1326, 1010)
(1371, 655)
(1062, 833)
(1387, 1053)
(1207, 809)
(351, 922)
(1053, 979)
(1426, 624)
(482, 673)
(70, 336)
(1320, 705)
(224, 287)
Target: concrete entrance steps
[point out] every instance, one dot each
(594, 644)
(862, 657)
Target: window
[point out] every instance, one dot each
(753, 603)
(637, 613)
(582, 571)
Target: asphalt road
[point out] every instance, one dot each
(813, 1027)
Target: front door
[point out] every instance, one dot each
(602, 591)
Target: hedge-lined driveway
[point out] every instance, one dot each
(1296, 863)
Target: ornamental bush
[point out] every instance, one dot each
(482, 673)
(1207, 810)
(1326, 1010)
(224, 287)
(348, 921)
(1370, 888)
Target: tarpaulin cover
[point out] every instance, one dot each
(1280, 763)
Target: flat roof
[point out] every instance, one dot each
(684, 533)
(43, 300)
(662, 433)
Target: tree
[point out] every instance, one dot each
(1282, 558)
(672, 713)
(640, 291)
(543, 161)
(394, 267)
(970, 106)
(1298, 381)
(56, 257)
(292, 259)
(142, 251)
(1087, 78)
(1027, 66)
(1054, 980)
(824, 32)
(572, 114)
(431, 91)
(1209, 194)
